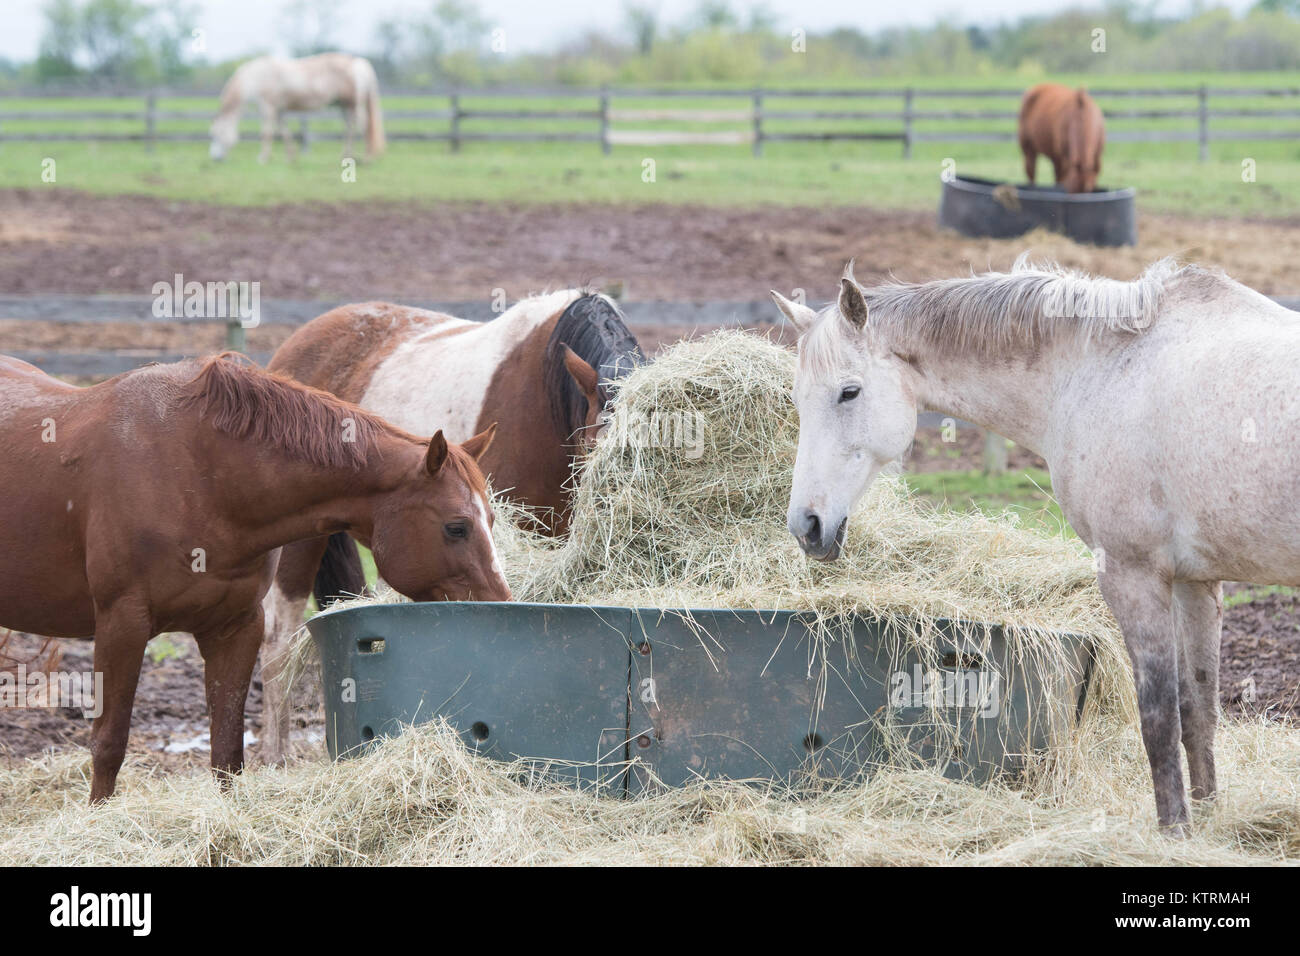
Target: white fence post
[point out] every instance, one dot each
(1203, 133)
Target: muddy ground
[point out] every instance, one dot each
(60, 242)
(57, 241)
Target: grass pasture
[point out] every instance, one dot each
(844, 173)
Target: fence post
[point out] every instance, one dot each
(304, 137)
(150, 120)
(1203, 134)
(995, 454)
(455, 122)
(235, 338)
(604, 120)
(758, 122)
(907, 123)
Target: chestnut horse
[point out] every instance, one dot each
(1066, 126)
(540, 368)
(281, 86)
(156, 501)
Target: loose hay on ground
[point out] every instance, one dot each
(658, 524)
(422, 799)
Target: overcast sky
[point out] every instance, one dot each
(234, 27)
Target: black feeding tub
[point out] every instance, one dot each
(982, 207)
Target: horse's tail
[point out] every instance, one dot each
(340, 574)
(368, 87)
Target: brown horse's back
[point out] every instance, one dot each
(1067, 127)
(53, 433)
(339, 351)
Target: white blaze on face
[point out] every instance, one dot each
(486, 526)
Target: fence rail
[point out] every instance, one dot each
(753, 130)
(138, 309)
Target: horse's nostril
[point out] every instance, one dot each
(814, 528)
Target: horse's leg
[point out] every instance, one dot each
(1199, 620)
(1031, 160)
(1141, 600)
(269, 121)
(283, 609)
(121, 634)
(228, 659)
(290, 148)
(349, 124)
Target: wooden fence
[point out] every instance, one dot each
(612, 125)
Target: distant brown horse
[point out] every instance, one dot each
(540, 368)
(1066, 126)
(156, 501)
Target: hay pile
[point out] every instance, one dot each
(683, 505)
(695, 517)
(420, 799)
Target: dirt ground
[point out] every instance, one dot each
(60, 242)
(57, 241)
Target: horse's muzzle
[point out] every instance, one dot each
(818, 545)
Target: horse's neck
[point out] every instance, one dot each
(1011, 394)
(279, 498)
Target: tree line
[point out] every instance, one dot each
(134, 43)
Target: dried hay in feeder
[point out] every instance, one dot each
(683, 504)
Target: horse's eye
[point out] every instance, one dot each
(456, 530)
(850, 393)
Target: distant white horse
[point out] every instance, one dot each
(281, 85)
(1165, 407)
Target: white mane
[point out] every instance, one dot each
(993, 312)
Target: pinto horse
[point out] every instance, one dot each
(281, 85)
(1107, 381)
(156, 501)
(541, 368)
(1066, 126)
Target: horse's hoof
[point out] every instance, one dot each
(1176, 831)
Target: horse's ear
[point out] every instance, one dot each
(800, 316)
(582, 372)
(437, 456)
(479, 444)
(853, 305)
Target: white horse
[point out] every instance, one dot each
(1165, 407)
(281, 85)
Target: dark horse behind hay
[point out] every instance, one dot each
(543, 369)
(1066, 126)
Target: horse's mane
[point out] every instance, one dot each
(594, 328)
(990, 313)
(304, 422)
